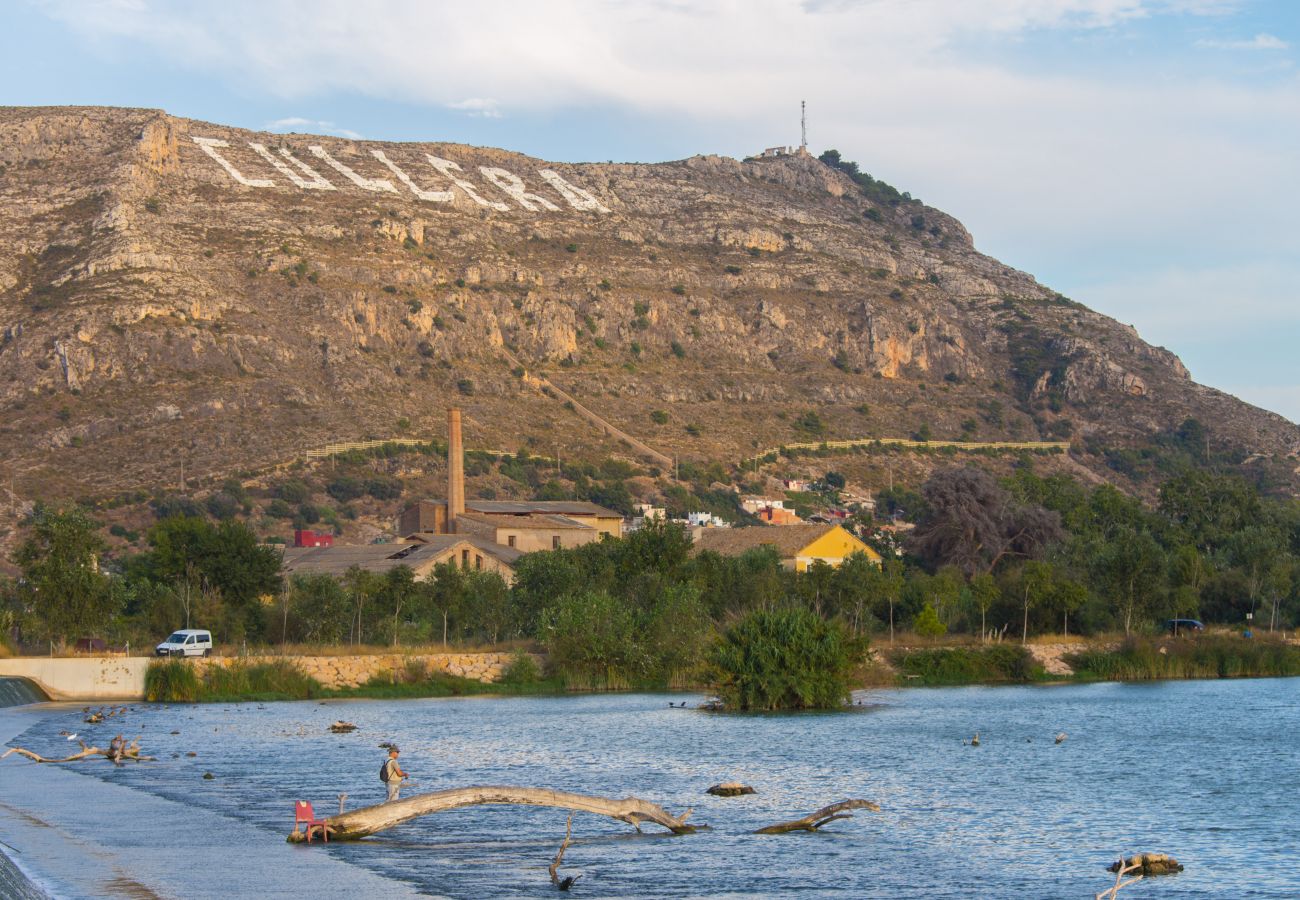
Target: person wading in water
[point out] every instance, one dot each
(392, 774)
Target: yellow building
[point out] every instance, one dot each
(799, 546)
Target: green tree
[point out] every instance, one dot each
(63, 592)
(1260, 552)
(1128, 569)
(1068, 596)
(678, 633)
(319, 610)
(488, 611)
(891, 588)
(1036, 583)
(984, 592)
(927, 623)
(592, 640)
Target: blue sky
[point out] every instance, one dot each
(1140, 156)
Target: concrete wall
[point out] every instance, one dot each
(122, 678)
(83, 677)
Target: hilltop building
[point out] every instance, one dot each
(799, 546)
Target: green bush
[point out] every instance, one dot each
(968, 665)
(785, 659)
(522, 669)
(171, 681)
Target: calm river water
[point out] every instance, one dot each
(1208, 771)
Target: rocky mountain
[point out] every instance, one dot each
(179, 295)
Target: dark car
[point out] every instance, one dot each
(1184, 626)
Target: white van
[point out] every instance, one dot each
(186, 642)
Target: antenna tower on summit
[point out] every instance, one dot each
(803, 126)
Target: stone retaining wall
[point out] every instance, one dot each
(352, 671)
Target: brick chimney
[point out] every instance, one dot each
(455, 470)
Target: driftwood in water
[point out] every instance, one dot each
(364, 822)
(568, 881)
(116, 753)
(823, 816)
(1121, 868)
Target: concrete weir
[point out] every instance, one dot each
(81, 678)
(19, 692)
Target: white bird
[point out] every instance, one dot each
(71, 737)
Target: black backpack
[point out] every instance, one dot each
(383, 771)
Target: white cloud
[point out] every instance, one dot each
(478, 107)
(1261, 41)
(310, 126)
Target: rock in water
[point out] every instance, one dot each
(730, 789)
(1150, 864)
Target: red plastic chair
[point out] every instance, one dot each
(305, 815)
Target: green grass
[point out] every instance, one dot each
(171, 681)
(998, 664)
(1200, 657)
(277, 680)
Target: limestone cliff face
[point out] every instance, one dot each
(174, 292)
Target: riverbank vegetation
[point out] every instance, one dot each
(994, 664)
(993, 560)
(1140, 659)
(181, 681)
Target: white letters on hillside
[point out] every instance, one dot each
(431, 196)
(447, 167)
(210, 145)
(576, 196)
(307, 178)
(514, 186)
(317, 182)
(369, 184)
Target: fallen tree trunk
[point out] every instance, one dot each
(823, 816)
(371, 819)
(115, 755)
